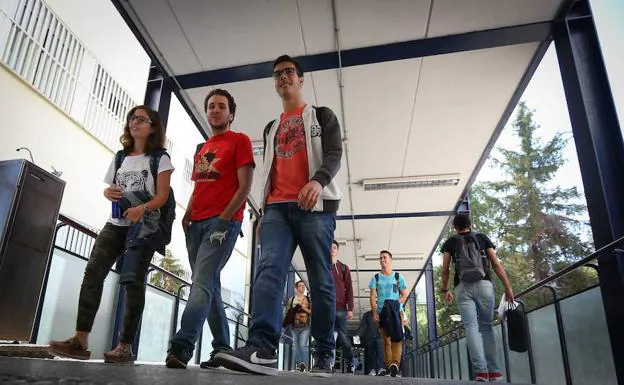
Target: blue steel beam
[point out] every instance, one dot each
(158, 93)
(491, 38)
(600, 149)
(422, 214)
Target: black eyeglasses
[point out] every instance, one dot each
(288, 71)
(140, 119)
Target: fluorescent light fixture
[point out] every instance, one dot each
(411, 182)
(396, 257)
(257, 147)
(344, 241)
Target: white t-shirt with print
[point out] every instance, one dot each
(134, 175)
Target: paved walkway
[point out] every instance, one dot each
(31, 371)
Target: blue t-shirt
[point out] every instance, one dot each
(387, 288)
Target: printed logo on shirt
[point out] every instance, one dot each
(132, 180)
(205, 167)
(290, 137)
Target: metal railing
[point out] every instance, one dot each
(77, 240)
(424, 361)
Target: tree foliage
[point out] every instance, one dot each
(171, 264)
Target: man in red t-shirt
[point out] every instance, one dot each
(302, 154)
(222, 172)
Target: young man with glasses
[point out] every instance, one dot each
(222, 171)
(388, 293)
(302, 153)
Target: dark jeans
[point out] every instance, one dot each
(340, 327)
(109, 245)
(373, 352)
(285, 226)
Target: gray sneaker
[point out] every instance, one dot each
(322, 367)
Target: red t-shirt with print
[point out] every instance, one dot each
(215, 169)
(290, 164)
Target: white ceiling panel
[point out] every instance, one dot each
(365, 23)
(237, 32)
(451, 17)
(379, 100)
(161, 25)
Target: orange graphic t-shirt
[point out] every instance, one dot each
(290, 164)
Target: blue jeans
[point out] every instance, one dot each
(301, 337)
(476, 307)
(207, 261)
(285, 226)
(374, 357)
(340, 333)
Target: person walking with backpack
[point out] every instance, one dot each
(388, 293)
(223, 172)
(302, 153)
(138, 179)
(344, 307)
(473, 255)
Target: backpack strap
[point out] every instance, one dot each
(119, 158)
(154, 162)
(377, 279)
(199, 147)
(265, 134)
(396, 277)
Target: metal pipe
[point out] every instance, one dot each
(345, 137)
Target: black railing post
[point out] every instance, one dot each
(451, 358)
(176, 311)
(530, 346)
(198, 348)
(505, 351)
(562, 339)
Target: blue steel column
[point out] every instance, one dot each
(290, 291)
(158, 93)
(255, 257)
(600, 150)
(431, 309)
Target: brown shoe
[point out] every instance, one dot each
(122, 354)
(70, 348)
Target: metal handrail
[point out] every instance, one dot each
(433, 344)
(93, 233)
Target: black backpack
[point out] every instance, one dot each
(167, 211)
(470, 260)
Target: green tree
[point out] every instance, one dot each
(171, 264)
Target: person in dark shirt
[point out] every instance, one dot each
(475, 298)
(373, 351)
(344, 306)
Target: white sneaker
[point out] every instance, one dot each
(372, 373)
